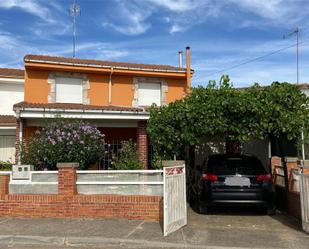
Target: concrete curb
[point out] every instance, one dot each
(95, 241)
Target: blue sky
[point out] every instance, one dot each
(221, 34)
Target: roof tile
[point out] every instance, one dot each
(7, 119)
(11, 73)
(67, 106)
(99, 63)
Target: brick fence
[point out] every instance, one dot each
(68, 204)
(288, 197)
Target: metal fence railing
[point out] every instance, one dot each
(112, 151)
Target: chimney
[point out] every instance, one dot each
(180, 59)
(188, 71)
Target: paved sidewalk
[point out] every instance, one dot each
(216, 231)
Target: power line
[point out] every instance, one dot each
(255, 59)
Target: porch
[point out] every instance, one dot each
(116, 123)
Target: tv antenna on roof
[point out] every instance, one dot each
(75, 11)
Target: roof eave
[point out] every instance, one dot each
(41, 112)
(104, 66)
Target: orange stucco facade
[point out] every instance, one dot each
(122, 91)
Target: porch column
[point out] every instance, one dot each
(142, 143)
(18, 139)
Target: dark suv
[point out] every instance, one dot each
(235, 180)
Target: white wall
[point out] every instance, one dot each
(10, 94)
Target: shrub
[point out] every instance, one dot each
(127, 157)
(4, 166)
(64, 141)
(156, 162)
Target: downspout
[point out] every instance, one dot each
(110, 87)
(188, 70)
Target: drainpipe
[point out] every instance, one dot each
(188, 71)
(110, 87)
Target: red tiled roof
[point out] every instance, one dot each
(304, 86)
(69, 106)
(11, 73)
(7, 119)
(99, 63)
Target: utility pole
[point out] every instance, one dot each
(295, 33)
(75, 11)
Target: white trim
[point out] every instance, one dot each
(37, 122)
(12, 80)
(120, 116)
(118, 171)
(5, 172)
(119, 183)
(19, 182)
(7, 127)
(45, 172)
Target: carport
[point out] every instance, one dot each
(220, 119)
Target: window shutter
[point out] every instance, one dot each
(69, 90)
(149, 93)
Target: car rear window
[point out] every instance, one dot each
(222, 165)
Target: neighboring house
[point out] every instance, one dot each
(11, 92)
(115, 96)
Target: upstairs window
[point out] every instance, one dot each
(149, 93)
(69, 90)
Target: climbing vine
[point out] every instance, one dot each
(222, 110)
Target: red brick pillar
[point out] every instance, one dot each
(142, 143)
(291, 164)
(67, 178)
(4, 184)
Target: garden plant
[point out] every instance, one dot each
(64, 141)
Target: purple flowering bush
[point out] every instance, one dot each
(65, 141)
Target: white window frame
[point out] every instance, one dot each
(52, 81)
(142, 80)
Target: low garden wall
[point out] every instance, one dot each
(286, 178)
(71, 197)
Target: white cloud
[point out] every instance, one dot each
(175, 5)
(128, 18)
(30, 6)
(177, 28)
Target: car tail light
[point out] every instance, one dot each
(263, 178)
(210, 177)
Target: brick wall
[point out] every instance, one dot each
(68, 204)
(288, 198)
(142, 143)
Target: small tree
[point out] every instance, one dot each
(64, 141)
(127, 157)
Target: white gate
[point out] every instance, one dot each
(304, 197)
(175, 204)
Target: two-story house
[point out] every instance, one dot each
(11, 92)
(112, 95)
